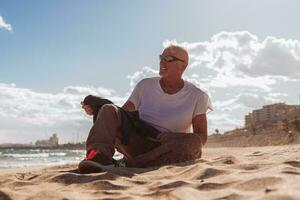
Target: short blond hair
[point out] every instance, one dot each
(176, 46)
(180, 48)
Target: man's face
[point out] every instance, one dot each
(173, 63)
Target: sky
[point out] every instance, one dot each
(244, 54)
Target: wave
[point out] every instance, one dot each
(12, 158)
(35, 155)
(40, 163)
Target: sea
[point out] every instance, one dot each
(18, 158)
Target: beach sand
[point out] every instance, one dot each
(269, 173)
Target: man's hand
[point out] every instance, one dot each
(88, 110)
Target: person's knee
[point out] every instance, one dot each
(108, 107)
(194, 146)
(194, 140)
(106, 110)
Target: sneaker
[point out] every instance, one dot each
(119, 163)
(95, 162)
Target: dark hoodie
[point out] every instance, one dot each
(130, 120)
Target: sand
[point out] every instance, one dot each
(269, 173)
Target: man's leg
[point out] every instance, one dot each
(182, 147)
(103, 133)
(105, 136)
(138, 145)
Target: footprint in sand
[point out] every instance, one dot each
(213, 186)
(108, 192)
(173, 185)
(259, 183)
(291, 170)
(139, 182)
(97, 182)
(293, 163)
(228, 160)
(248, 167)
(209, 173)
(252, 166)
(256, 153)
(26, 176)
(105, 185)
(70, 178)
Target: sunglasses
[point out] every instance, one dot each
(169, 58)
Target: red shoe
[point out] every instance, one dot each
(95, 162)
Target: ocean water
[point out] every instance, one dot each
(16, 158)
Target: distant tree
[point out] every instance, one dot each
(286, 125)
(296, 123)
(217, 131)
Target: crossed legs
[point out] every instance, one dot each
(105, 136)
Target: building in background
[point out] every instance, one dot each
(51, 142)
(270, 114)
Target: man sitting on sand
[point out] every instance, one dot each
(175, 107)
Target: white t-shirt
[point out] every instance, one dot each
(169, 112)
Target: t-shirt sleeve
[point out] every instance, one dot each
(136, 95)
(203, 105)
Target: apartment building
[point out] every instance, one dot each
(271, 114)
(51, 142)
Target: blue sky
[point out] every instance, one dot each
(57, 45)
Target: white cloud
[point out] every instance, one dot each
(276, 57)
(223, 121)
(26, 112)
(238, 71)
(278, 94)
(76, 90)
(253, 101)
(139, 75)
(4, 25)
(242, 72)
(239, 58)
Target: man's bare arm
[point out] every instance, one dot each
(129, 106)
(200, 127)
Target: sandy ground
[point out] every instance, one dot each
(223, 173)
